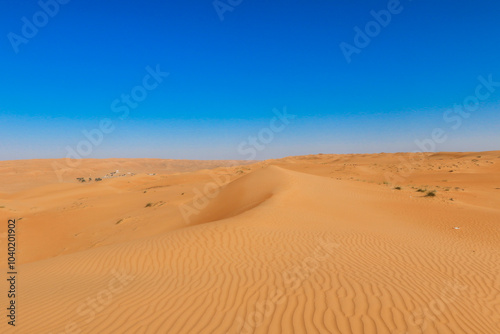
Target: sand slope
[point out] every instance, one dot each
(315, 244)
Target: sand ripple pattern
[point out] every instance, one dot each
(326, 266)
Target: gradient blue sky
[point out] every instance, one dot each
(227, 76)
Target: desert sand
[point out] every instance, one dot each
(310, 244)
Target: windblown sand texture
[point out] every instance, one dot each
(309, 244)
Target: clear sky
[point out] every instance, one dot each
(358, 76)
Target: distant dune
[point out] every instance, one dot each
(49, 171)
(359, 243)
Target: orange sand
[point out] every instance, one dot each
(310, 244)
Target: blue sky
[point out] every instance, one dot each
(225, 77)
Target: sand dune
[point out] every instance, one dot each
(50, 171)
(311, 244)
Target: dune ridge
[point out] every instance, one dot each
(313, 244)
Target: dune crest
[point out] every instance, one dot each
(284, 246)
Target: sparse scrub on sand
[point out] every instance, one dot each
(200, 236)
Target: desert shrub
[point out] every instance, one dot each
(430, 193)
